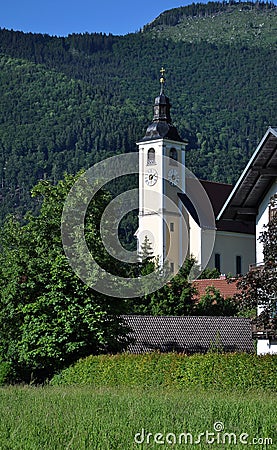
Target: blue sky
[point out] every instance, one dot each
(62, 17)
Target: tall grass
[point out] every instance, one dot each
(84, 418)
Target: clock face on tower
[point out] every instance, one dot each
(173, 177)
(151, 177)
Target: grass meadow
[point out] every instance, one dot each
(109, 418)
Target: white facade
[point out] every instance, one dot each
(233, 251)
(264, 345)
(236, 252)
(160, 217)
(251, 196)
(263, 219)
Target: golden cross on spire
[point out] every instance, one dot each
(162, 78)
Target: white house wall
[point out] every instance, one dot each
(266, 346)
(262, 220)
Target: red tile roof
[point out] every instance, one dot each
(226, 288)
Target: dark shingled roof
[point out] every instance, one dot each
(188, 334)
(218, 194)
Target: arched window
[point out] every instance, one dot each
(151, 157)
(173, 155)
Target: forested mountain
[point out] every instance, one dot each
(67, 102)
(248, 23)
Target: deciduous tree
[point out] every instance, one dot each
(48, 317)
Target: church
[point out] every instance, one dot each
(181, 215)
(216, 223)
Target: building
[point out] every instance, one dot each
(216, 223)
(250, 201)
(177, 212)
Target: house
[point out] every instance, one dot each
(250, 201)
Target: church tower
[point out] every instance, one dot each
(161, 151)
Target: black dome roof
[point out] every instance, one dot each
(162, 127)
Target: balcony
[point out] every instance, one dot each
(256, 266)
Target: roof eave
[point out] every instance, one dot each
(270, 130)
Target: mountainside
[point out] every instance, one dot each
(243, 23)
(68, 102)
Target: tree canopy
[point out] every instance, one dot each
(48, 317)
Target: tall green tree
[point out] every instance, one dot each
(48, 317)
(175, 298)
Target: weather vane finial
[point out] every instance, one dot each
(162, 79)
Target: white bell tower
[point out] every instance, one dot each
(160, 217)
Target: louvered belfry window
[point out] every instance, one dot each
(151, 159)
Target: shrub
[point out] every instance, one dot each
(6, 373)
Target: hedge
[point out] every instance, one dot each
(223, 371)
(6, 373)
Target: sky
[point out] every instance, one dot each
(63, 17)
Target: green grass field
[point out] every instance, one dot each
(84, 418)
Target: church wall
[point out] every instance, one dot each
(173, 240)
(207, 246)
(195, 240)
(230, 246)
(151, 226)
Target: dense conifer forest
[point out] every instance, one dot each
(68, 102)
